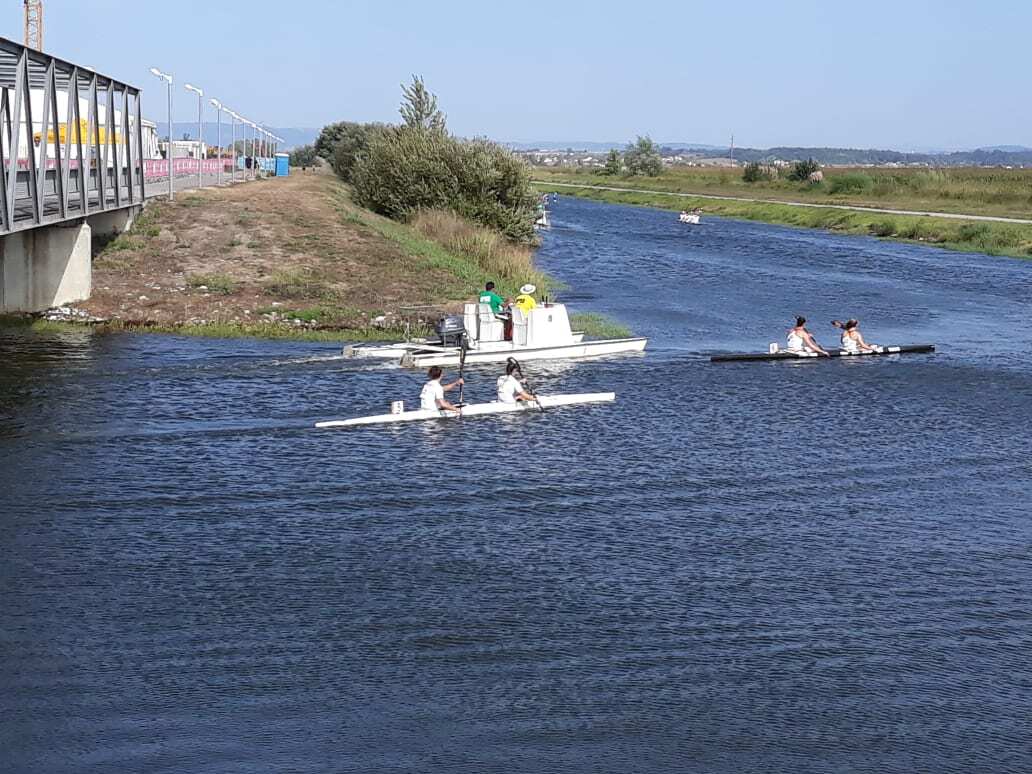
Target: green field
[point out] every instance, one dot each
(968, 190)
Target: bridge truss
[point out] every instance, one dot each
(71, 140)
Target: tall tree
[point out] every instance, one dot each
(614, 163)
(642, 158)
(419, 107)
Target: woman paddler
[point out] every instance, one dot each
(800, 339)
(852, 340)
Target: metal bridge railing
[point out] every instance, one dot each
(71, 140)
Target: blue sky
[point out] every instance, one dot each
(904, 74)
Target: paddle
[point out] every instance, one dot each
(462, 369)
(526, 383)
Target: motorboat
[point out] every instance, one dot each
(543, 333)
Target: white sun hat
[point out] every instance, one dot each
(528, 289)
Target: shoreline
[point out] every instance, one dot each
(979, 234)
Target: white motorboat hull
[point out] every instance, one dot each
(414, 355)
(476, 409)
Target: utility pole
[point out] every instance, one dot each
(732, 153)
(34, 24)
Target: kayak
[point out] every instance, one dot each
(475, 409)
(902, 349)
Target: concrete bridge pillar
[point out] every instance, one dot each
(113, 222)
(45, 267)
(50, 266)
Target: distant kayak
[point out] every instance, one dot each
(786, 354)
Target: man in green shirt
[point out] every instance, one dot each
(491, 298)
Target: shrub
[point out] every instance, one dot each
(406, 170)
(753, 173)
(883, 228)
(851, 183)
(802, 170)
(420, 166)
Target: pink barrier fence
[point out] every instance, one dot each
(159, 167)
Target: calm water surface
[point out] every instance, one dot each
(766, 567)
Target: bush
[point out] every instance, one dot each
(802, 170)
(851, 183)
(753, 173)
(405, 170)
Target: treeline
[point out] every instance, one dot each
(404, 169)
(860, 156)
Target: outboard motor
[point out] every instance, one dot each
(451, 330)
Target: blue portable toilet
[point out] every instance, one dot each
(282, 164)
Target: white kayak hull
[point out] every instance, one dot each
(424, 356)
(475, 409)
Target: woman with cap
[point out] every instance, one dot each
(525, 300)
(801, 340)
(852, 340)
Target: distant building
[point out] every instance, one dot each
(186, 149)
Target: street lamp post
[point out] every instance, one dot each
(200, 133)
(233, 119)
(218, 112)
(167, 77)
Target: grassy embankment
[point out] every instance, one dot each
(995, 192)
(292, 258)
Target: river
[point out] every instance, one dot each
(754, 567)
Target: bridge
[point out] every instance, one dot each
(71, 156)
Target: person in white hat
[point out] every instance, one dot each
(525, 300)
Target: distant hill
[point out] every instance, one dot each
(995, 155)
(293, 137)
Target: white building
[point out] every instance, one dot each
(185, 149)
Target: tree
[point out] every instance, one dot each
(305, 156)
(419, 107)
(352, 141)
(642, 158)
(328, 137)
(614, 163)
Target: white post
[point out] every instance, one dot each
(200, 134)
(218, 112)
(167, 77)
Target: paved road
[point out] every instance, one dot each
(159, 187)
(949, 215)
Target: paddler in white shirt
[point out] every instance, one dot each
(510, 389)
(852, 340)
(432, 397)
(800, 339)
